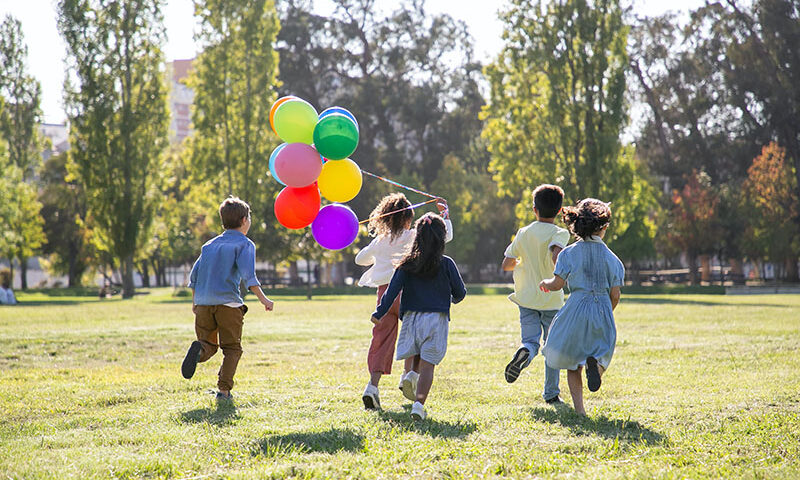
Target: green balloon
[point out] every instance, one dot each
(335, 136)
(295, 120)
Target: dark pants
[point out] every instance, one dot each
(219, 326)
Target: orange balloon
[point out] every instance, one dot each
(275, 107)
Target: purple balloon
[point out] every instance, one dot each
(335, 227)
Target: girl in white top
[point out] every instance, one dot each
(393, 236)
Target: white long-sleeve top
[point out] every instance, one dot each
(383, 252)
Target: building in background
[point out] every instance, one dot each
(180, 100)
(58, 135)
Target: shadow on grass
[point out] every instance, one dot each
(679, 301)
(625, 430)
(431, 427)
(328, 441)
(223, 414)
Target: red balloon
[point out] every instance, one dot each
(297, 207)
(298, 165)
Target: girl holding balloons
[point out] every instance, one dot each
(391, 225)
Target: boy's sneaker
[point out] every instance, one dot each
(515, 366)
(190, 361)
(408, 385)
(418, 412)
(553, 401)
(370, 397)
(224, 397)
(592, 374)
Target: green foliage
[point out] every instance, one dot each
(92, 390)
(116, 103)
(22, 93)
(64, 214)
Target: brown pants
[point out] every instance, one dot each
(220, 325)
(384, 335)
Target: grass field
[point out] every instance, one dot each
(700, 387)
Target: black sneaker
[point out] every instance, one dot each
(553, 401)
(514, 367)
(224, 397)
(592, 374)
(190, 361)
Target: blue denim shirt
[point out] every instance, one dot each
(223, 261)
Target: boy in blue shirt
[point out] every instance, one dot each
(219, 310)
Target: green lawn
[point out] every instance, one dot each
(700, 387)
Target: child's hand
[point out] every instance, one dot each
(194, 309)
(269, 305)
(374, 320)
(543, 286)
(441, 204)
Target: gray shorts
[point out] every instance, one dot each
(423, 334)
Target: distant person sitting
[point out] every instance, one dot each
(6, 293)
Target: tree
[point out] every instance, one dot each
(18, 126)
(769, 192)
(118, 116)
(557, 108)
(693, 226)
(22, 95)
(64, 213)
(21, 214)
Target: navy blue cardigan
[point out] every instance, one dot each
(424, 294)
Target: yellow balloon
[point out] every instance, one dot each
(340, 180)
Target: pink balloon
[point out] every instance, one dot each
(298, 165)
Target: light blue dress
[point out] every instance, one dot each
(584, 327)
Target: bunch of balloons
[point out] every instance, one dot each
(313, 163)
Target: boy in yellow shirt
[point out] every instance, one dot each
(532, 257)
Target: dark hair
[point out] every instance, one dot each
(394, 224)
(547, 199)
(425, 255)
(233, 211)
(586, 218)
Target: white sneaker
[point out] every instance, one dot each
(370, 397)
(418, 412)
(408, 385)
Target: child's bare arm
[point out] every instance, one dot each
(552, 284)
(614, 293)
(509, 264)
(555, 250)
(268, 304)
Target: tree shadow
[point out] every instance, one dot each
(678, 301)
(624, 430)
(431, 427)
(223, 414)
(329, 441)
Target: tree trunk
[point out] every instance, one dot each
(737, 271)
(693, 277)
(705, 268)
(23, 273)
(308, 281)
(294, 276)
(128, 288)
(791, 269)
(145, 274)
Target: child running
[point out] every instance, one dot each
(430, 281)
(583, 331)
(224, 261)
(531, 256)
(391, 226)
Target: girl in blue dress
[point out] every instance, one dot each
(583, 333)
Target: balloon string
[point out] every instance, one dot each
(397, 211)
(399, 185)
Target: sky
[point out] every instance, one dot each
(46, 49)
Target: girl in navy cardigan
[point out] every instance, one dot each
(429, 281)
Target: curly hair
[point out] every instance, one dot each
(425, 255)
(394, 224)
(587, 217)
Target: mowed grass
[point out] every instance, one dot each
(700, 387)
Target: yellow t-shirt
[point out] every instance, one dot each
(531, 246)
